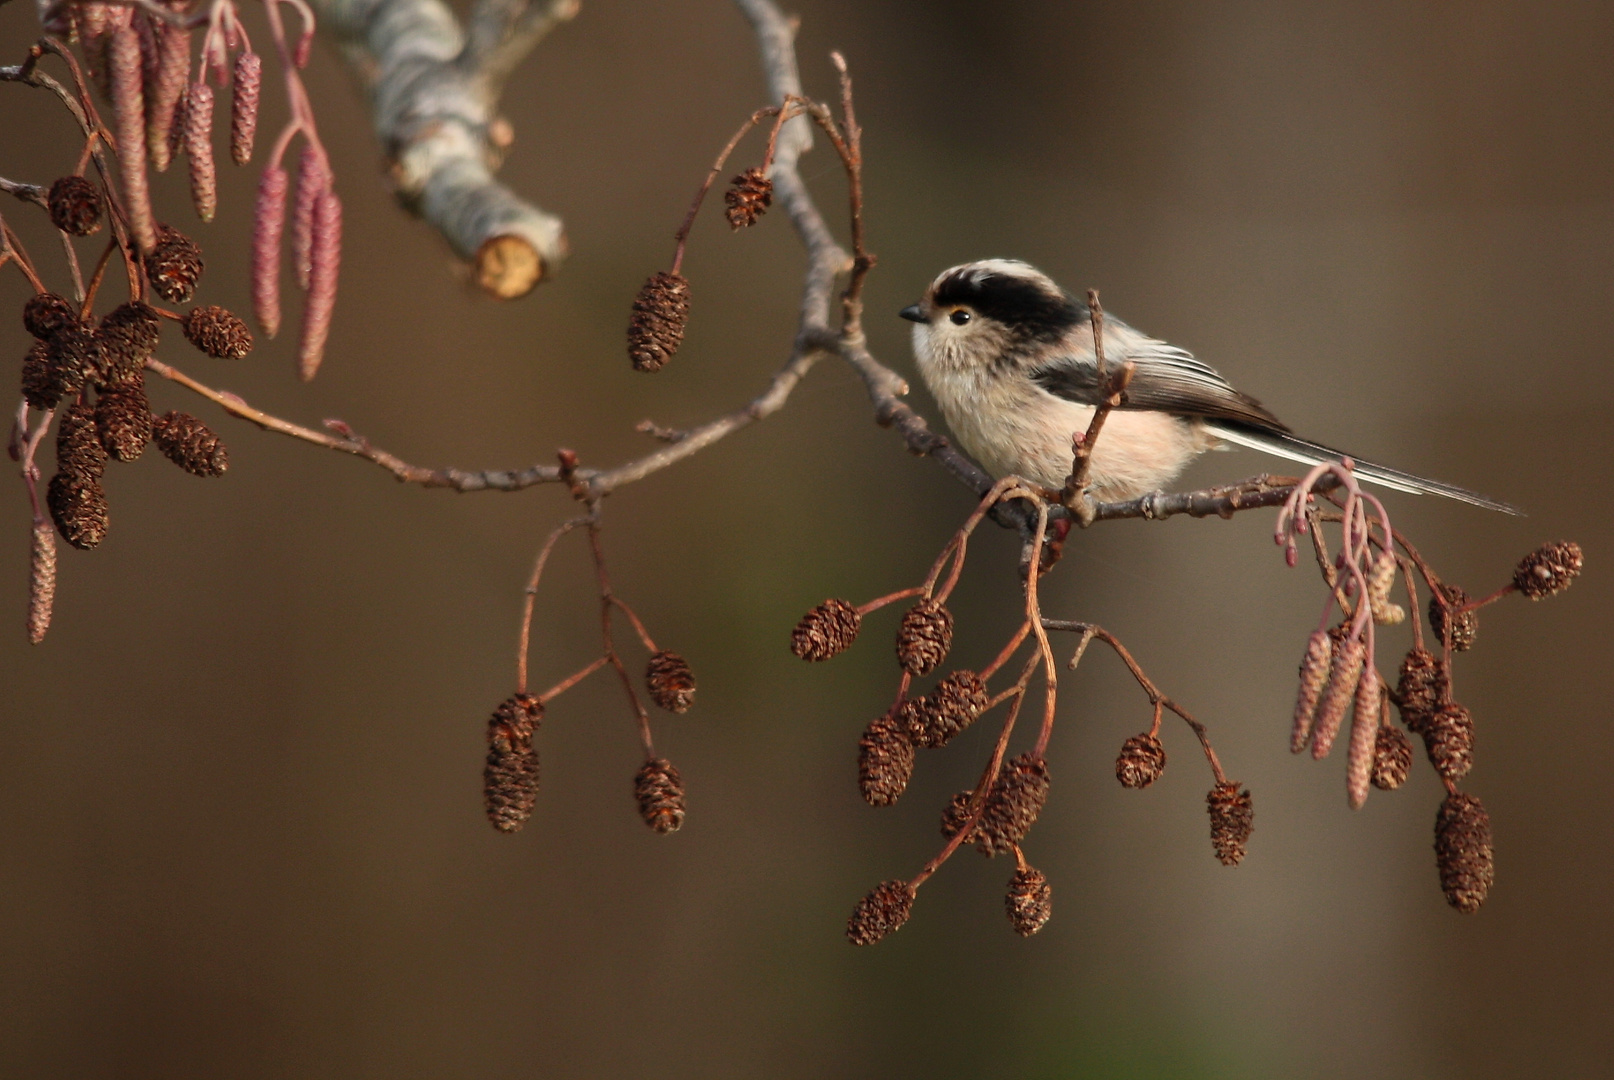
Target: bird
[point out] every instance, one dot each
(1009, 357)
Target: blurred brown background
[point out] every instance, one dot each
(240, 820)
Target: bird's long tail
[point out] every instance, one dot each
(1288, 446)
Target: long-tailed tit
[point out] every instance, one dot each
(1009, 357)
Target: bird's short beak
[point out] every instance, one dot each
(913, 313)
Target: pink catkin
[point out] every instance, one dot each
(199, 148)
(41, 581)
(326, 253)
(1342, 680)
(313, 180)
(1364, 735)
(1313, 677)
(246, 83)
(166, 86)
(96, 25)
(129, 109)
(268, 225)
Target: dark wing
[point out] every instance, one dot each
(1165, 379)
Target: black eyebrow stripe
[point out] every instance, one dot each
(1021, 304)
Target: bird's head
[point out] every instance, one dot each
(988, 313)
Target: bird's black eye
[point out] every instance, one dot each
(959, 317)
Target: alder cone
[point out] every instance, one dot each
(1448, 739)
(510, 778)
(1458, 631)
(123, 420)
(1463, 852)
(951, 706)
(1232, 820)
(1012, 807)
(1142, 761)
(75, 206)
(38, 385)
(924, 638)
(129, 335)
(1548, 570)
(78, 506)
(827, 630)
(45, 313)
(218, 333)
(78, 446)
(1422, 687)
(660, 791)
(884, 761)
(1392, 758)
(189, 444)
(1030, 901)
(174, 265)
(656, 327)
(881, 912)
(956, 815)
(748, 198)
(670, 681)
(75, 358)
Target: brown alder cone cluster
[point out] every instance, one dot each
(996, 815)
(1339, 677)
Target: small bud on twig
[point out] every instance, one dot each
(218, 332)
(826, 630)
(325, 254)
(924, 637)
(670, 681)
(199, 149)
(884, 910)
(1392, 758)
(656, 327)
(1142, 761)
(41, 581)
(510, 778)
(75, 206)
(1463, 852)
(1548, 570)
(884, 761)
(660, 791)
(268, 225)
(190, 445)
(1013, 805)
(748, 198)
(1462, 628)
(1232, 819)
(246, 81)
(1030, 901)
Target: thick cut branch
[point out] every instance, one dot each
(434, 89)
